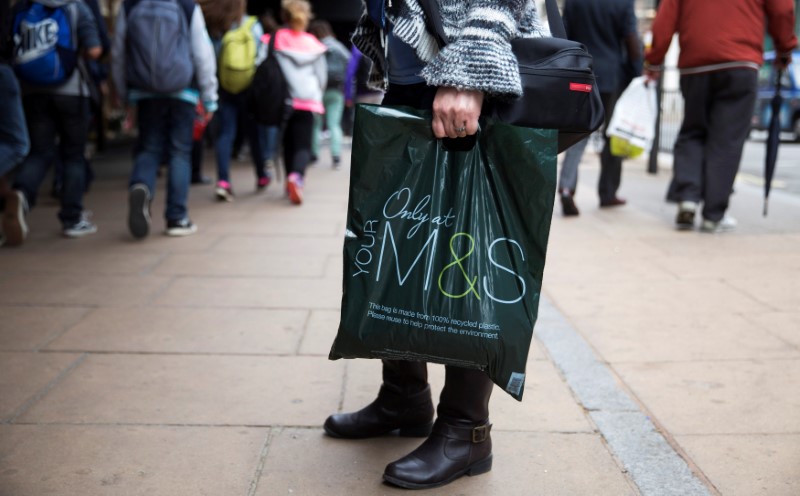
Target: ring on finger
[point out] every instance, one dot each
(460, 130)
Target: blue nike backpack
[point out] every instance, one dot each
(45, 43)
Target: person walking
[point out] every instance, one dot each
(609, 31)
(302, 59)
(452, 82)
(718, 80)
(337, 58)
(165, 82)
(56, 103)
(14, 141)
(240, 51)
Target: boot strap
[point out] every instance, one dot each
(475, 435)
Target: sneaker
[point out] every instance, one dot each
(139, 211)
(568, 206)
(725, 225)
(182, 227)
(223, 191)
(685, 217)
(294, 185)
(15, 230)
(613, 202)
(262, 183)
(82, 228)
(337, 162)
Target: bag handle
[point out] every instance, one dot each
(433, 20)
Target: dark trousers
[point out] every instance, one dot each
(718, 108)
(165, 130)
(51, 116)
(466, 392)
(233, 117)
(297, 139)
(610, 166)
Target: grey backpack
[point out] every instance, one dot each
(158, 47)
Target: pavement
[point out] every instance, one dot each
(663, 362)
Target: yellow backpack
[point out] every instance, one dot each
(237, 57)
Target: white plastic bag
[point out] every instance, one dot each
(633, 124)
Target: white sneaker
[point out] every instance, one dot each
(725, 225)
(183, 227)
(82, 228)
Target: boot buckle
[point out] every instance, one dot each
(480, 434)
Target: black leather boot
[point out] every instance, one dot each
(460, 443)
(403, 406)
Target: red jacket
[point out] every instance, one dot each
(714, 32)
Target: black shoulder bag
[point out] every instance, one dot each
(558, 85)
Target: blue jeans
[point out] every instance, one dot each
(270, 144)
(14, 142)
(49, 117)
(165, 130)
(227, 117)
(568, 179)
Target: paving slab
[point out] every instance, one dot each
(731, 266)
(186, 330)
(308, 227)
(191, 390)
(79, 290)
(240, 265)
(624, 299)
(525, 463)
(674, 336)
(320, 332)
(694, 246)
(776, 291)
(753, 465)
(637, 270)
(307, 246)
(720, 397)
(79, 263)
(24, 328)
(785, 325)
(24, 376)
(128, 460)
(252, 293)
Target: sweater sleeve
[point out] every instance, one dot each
(88, 33)
(481, 58)
(780, 24)
(205, 63)
(664, 26)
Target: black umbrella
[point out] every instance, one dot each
(773, 139)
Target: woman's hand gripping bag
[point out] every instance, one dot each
(444, 249)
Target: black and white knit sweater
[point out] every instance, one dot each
(478, 55)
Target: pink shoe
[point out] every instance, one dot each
(294, 186)
(223, 191)
(262, 183)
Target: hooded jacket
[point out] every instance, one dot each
(302, 60)
(87, 36)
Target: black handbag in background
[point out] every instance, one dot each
(558, 84)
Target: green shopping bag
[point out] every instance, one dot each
(444, 249)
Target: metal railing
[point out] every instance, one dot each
(671, 118)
